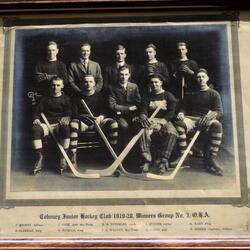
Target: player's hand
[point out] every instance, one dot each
(41, 77)
(211, 115)
(180, 116)
(185, 69)
(157, 127)
(142, 120)
(132, 108)
(99, 119)
(65, 121)
(203, 123)
(50, 77)
(36, 122)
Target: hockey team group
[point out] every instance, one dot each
(161, 105)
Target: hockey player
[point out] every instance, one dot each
(49, 68)
(202, 110)
(150, 67)
(183, 72)
(160, 131)
(57, 108)
(82, 121)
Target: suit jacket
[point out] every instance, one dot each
(77, 71)
(111, 76)
(121, 99)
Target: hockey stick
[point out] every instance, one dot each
(112, 168)
(72, 168)
(182, 87)
(98, 128)
(182, 159)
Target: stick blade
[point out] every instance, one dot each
(87, 176)
(160, 177)
(100, 172)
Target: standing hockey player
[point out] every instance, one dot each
(150, 67)
(183, 72)
(49, 68)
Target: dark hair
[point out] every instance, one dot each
(85, 44)
(181, 44)
(120, 47)
(123, 68)
(158, 76)
(89, 75)
(56, 78)
(151, 45)
(52, 43)
(202, 70)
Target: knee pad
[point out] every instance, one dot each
(215, 126)
(123, 126)
(181, 124)
(64, 131)
(37, 132)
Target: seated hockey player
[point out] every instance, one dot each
(82, 120)
(202, 110)
(56, 107)
(159, 131)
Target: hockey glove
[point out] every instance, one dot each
(65, 121)
(142, 120)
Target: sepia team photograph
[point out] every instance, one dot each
(124, 111)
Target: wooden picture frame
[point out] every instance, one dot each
(138, 215)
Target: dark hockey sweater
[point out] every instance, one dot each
(95, 103)
(150, 103)
(54, 108)
(199, 103)
(56, 68)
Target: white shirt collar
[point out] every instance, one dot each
(120, 64)
(124, 86)
(153, 61)
(84, 62)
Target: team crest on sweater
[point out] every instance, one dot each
(155, 104)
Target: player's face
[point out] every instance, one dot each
(85, 52)
(56, 87)
(124, 76)
(120, 55)
(202, 79)
(89, 83)
(150, 54)
(155, 85)
(182, 51)
(52, 52)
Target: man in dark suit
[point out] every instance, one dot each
(78, 70)
(111, 76)
(124, 100)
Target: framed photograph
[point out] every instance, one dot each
(125, 129)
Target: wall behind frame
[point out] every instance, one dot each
(244, 52)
